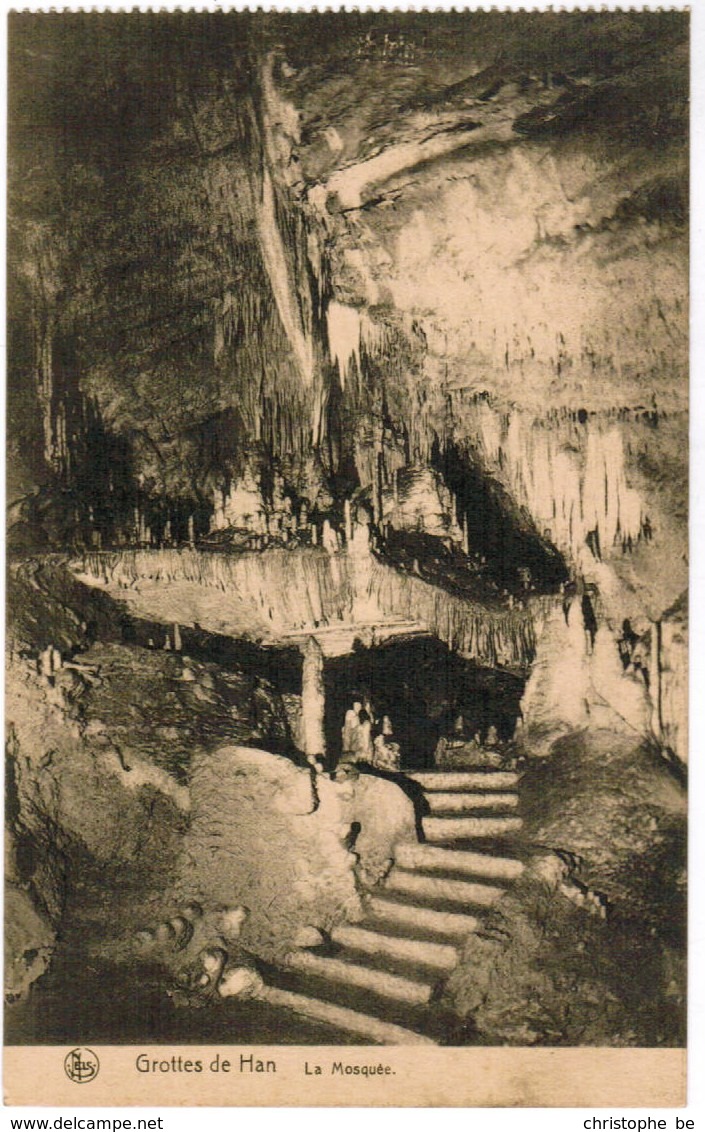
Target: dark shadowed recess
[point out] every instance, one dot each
(84, 998)
(498, 530)
(89, 1003)
(423, 686)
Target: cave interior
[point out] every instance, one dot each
(348, 360)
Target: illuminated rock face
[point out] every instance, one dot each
(418, 500)
(576, 684)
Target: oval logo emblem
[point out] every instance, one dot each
(81, 1065)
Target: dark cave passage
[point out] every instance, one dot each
(516, 556)
(423, 687)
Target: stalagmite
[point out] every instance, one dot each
(556, 694)
(329, 538)
(360, 543)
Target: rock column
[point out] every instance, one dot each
(312, 700)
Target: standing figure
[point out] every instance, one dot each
(350, 727)
(386, 754)
(589, 622)
(448, 744)
(362, 739)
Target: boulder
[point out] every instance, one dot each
(263, 837)
(308, 936)
(231, 921)
(240, 982)
(385, 816)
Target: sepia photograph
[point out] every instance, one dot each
(346, 675)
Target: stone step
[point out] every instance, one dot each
(447, 925)
(382, 983)
(371, 941)
(462, 828)
(343, 1018)
(432, 1019)
(466, 779)
(442, 889)
(463, 802)
(430, 858)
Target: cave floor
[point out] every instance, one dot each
(91, 994)
(78, 1003)
(617, 982)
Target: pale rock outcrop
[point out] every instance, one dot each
(385, 815)
(30, 938)
(288, 844)
(240, 982)
(264, 834)
(577, 683)
(308, 936)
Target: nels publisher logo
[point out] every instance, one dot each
(81, 1065)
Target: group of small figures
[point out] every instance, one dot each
(456, 750)
(368, 739)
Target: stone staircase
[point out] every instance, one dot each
(380, 979)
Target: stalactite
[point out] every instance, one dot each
(283, 287)
(344, 329)
(571, 476)
(502, 637)
(282, 229)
